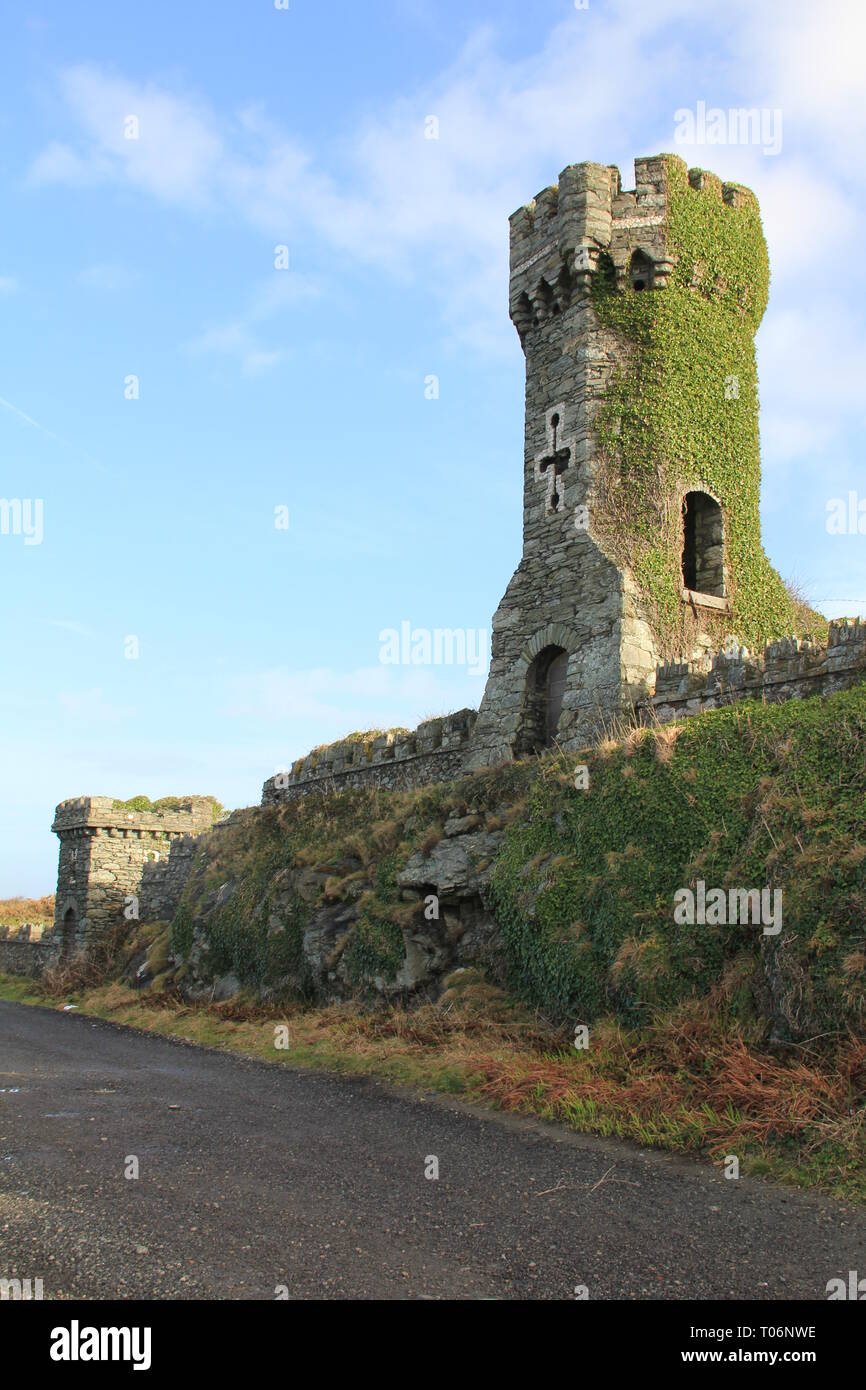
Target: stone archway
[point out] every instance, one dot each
(544, 692)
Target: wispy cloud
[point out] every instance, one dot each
(240, 337)
(90, 706)
(79, 629)
(108, 276)
(436, 208)
(163, 143)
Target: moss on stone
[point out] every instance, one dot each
(165, 805)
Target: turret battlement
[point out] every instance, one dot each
(586, 222)
(114, 859)
(183, 816)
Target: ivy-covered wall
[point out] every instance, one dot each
(681, 414)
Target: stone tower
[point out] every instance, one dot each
(108, 854)
(641, 533)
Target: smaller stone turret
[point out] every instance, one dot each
(106, 850)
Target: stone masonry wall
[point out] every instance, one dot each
(566, 591)
(435, 752)
(788, 669)
(163, 881)
(20, 955)
(104, 850)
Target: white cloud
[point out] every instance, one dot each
(78, 629)
(8, 284)
(108, 276)
(434, 210)
(812, 362)
(175, 150)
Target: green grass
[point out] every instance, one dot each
(647, 1087)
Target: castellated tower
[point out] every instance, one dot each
(112, 857)
(641, 532)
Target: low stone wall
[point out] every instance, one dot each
(20, 956)
(790, 669)
(397, 761)
(442, 749)
(24, 931)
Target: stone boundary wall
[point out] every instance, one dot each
(435, 752)
(24, 931)
(21, 956)
(163, 882)
(789, 669)
(439, 749)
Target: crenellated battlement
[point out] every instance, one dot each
(789, 668)
(188, 816)
(587, 222)
(107, 848)
(396, 758)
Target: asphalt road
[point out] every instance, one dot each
(254, 1176)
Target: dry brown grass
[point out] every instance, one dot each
(17, 912)
(690, 1082)
(84, 972)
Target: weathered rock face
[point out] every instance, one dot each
(308, 939)
(457, 867)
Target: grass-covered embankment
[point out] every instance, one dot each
(709, 1039)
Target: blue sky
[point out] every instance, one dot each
(305, 388)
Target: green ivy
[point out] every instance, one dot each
(163, 805)
(376, 949)
(752, 795)
(182, 933)
(239, 940)
(666, 426)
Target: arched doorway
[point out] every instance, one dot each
(703, 545)
(68, 933)
(543, 700)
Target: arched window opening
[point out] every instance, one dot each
(543, 700)
(641, 271)
(703, 545)
(542, 302)
(523, 314)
